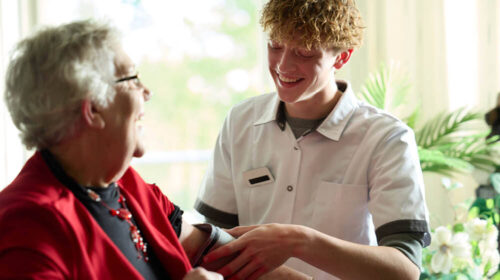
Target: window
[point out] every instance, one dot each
(197, 61)
(462, 52)
(12, 152)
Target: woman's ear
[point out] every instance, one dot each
(91, 115)
(342, 58)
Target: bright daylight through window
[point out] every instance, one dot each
(198, 62)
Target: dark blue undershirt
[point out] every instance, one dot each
(117, 229)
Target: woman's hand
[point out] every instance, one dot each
(200, 273)
(262, 249)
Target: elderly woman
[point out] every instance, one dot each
(77, 210)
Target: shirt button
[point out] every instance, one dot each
(289, 188)
(295, 148)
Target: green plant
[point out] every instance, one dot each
(446, 143)
(466, 249)
(488, 208)
(462, 251)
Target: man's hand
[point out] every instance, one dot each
(262, 249)
(200, 273)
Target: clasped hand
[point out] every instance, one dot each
(262, 249)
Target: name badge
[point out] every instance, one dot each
(257, 177)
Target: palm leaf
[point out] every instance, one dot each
(475, 150)
(385, 86)
(472, 149)
(374, 91)
(445, 144)
(437, 130)
(411, 120)
(436, 161)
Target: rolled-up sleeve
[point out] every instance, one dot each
(216, 198)
(396, 189)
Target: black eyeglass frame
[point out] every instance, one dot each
(136, 76)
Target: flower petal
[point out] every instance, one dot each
(442, 235)
(460, 246)
(441, 262)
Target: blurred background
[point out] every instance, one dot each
(200, 57)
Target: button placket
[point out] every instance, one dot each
(297, 158)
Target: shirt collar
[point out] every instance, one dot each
(336, 122)
(333, 125)
(270, 111)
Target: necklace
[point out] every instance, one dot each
(124, 214)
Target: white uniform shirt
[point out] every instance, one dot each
(357, 173)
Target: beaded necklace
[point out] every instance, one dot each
(124, 214)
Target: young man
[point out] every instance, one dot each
(346, 174)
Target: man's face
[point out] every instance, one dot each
(301, 75)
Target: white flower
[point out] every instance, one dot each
(489, 252)
(479, 229)
(476, 228)
(490, 241)
(493, 258)
(448, 246)
(492, 234)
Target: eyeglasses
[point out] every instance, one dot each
(135, 79)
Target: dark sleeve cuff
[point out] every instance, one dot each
(419, 228)
(175, 219)
(215, 216)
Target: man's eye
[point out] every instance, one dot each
(306, 53)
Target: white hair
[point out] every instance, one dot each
(52, 72)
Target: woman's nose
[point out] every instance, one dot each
(146, 93)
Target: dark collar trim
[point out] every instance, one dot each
(280, 116)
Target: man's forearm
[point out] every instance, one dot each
(349, 260)
(266, 247)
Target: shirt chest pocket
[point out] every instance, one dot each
(262, 200)
(341, 209)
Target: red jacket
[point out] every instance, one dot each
(47, 233)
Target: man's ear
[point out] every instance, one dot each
(91, 116)
(342, 58)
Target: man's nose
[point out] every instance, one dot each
(287, 61)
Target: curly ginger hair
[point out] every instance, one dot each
(315, 23)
